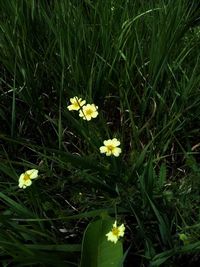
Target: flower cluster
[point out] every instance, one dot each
(26, 178)
(87, 112)
(110, 147)
(116, 232)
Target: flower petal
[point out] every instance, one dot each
(116, 151)
(121, 229)
(107, 142)
(103, 149)
(115, 142)
(108, 153)
(111, 237)
(32, 173)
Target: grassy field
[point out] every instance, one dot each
(138, 62)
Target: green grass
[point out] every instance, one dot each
(138, 61)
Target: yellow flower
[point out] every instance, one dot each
(111, 147)
(116, 232)
(88, 112)
(25, 178)
(76, 103)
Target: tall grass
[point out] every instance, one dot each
(138, 61)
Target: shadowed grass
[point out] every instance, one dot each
(139, 63)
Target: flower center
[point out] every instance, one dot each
(76, 104)
(110, 147)
(26, 177)
(115, 231)
(88, 112)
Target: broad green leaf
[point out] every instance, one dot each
(97, 251)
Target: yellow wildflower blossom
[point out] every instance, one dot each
(25, 178)
(76, 103)
(116, 232)
(111, 147)
(88, 112)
